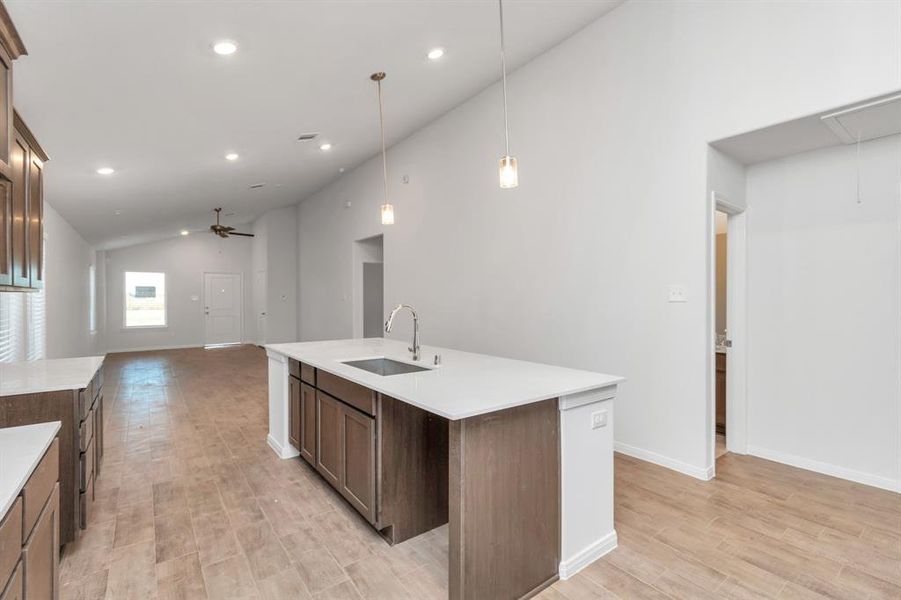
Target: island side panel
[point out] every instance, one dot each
(278, 406)
(586, 479)
(504, 502)
(412, 474)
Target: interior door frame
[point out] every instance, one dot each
(736, 324)
(203, 297)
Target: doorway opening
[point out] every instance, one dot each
(223, 301)
(721, 331)
(727, 362)
(369, 287)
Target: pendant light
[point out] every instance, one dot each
(387, 207)
(507, 169)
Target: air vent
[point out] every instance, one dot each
(306, 137)
(866, 121)
(257, 186)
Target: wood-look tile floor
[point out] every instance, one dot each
(191, 503)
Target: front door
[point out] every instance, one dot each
(223, 308)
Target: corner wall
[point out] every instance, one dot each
(824, 312)
(610, 129)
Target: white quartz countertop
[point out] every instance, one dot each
(21, 449)
(50, 375)
(464, 385)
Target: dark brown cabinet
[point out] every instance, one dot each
(29, 535)
(40, 555)
(386, 458)
(307, 423)
(357, 473)
(328, 438)
(79, 449)
(21, 180)
(294, 411)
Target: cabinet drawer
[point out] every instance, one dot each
(293, 368)
(308, 374)
(10, 540)
(86, 431)
(39, 487)
(14, 588)
(98, 383)
(85, 505)
(356, 395)
(86, 467)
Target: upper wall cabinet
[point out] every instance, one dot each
(21, 180)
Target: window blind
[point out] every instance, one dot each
(23, 325)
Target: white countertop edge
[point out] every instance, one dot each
(40, 383)
(48, 430)
(325, 365)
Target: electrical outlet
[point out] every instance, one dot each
(599, 419)
(677, 293)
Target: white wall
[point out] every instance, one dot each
(611, 130)
(824, 302)
(66, 286)
(184, 260)
(275, 253)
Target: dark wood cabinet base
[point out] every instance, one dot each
(505, 502)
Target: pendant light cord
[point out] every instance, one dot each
(382, 129)
(500, 4)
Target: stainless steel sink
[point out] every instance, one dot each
(384, 366)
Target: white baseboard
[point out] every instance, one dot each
(665, 461)
(153, 348)
(570, 567)
(282, 451)
(816, 466)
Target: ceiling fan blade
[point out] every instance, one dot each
(237, 233)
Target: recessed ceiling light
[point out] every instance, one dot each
(106, 170)
(325, 146)
(231, 156)
(341, 170)
(225, 47)
(118, 211)
(435, 53)
(185, 232)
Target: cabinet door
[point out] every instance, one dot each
(328, 438)
(40, 555)
(14, 590)
(6, 224)
(6, 107)
(294, 412)
(36, 221)
(308, 423)
(19, 234)
(358, 461)
(98, 434)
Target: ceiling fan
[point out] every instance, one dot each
(224, 231)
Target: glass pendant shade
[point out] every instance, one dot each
(509, 176)
(387, 214)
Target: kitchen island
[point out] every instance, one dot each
(516, 456)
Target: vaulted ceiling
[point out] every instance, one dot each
(135, 85)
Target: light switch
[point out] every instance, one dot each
(677, 293)
(599, 419)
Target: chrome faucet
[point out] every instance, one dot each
(415, 348)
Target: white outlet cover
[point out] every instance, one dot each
(677, 293)
(599, 419)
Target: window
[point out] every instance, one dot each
(92, 299)
(145, 299)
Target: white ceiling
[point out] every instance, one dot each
(134, 85)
